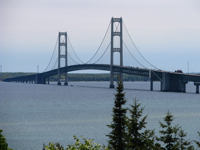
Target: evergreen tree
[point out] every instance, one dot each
(169, 135)
(137, 137)
(183, 144)
(157, 146)
(198, 142)
(3, 143)
(117, 135)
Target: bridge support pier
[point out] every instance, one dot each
(112, 79)
(151, 84)
(172, 85)
(197, 86)
(39, 79)
(151, 80)
(66, 79)
(165, 82)
(184, 86)
(112, 86)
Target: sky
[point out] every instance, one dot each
(166, 32)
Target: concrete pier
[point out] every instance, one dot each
(151, 84)
(66, 79)
(112, 86)
(39, 79)
(197, 86)
(172, 85)
(165, 82)
(151, 80)
(184, 86)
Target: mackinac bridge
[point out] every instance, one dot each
(117, 53)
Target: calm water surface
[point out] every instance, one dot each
(32, 114)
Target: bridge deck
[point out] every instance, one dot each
(156, 75)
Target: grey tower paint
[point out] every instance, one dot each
(113, 49)
(64, 44)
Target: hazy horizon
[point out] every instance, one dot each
(167, 33)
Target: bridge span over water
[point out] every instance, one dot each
(170, 81)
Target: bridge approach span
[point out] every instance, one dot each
(170, 81)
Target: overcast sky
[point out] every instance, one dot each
(167, 32)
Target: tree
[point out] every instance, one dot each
(169, 135)
(53, 146)
(183, 144)
(137, 137)
(3, 144)
(87, 145)
(117, 135)
(198, 142)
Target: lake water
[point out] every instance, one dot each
(33, 114)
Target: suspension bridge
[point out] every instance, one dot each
(130, 61)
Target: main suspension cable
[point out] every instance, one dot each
(74, 50)
(137, 48)
(107, 46)
(57, 57)
(100, 44)
(52, 55)
(72, 58)
(133, 56)
(103, 53)
(55, 64)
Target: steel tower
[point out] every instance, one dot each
(116, 49)
(63, 43)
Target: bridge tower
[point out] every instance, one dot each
(63, 43)
(116, 49)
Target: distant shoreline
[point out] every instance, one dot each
(83, 77)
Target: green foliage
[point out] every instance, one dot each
(157, 146)
(3, 144)
(137, 137)
(182, 143)
(118, 125)
(173, 136)
(87, 145)
(169, 133)
(198, 142)
(5, 75)
(53, 146)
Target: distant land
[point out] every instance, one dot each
(78, 76)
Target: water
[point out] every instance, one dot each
(32, 114)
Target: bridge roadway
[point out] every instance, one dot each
(170, 81)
